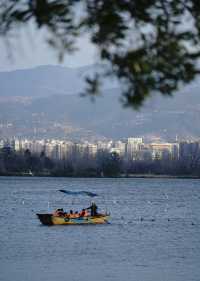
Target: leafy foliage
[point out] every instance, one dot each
(149, 45)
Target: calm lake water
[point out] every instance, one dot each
(154, 233)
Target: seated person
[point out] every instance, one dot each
(76, 215)
(71, 214)
(58, 213)
(82, 213)
(66, 215)
(86, 214)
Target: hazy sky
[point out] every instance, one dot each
(27, 48)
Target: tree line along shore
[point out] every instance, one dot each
(103, 164)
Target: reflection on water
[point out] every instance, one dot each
(154, 233)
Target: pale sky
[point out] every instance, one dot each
(28, 49)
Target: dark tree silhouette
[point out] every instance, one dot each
(103, 164)
(149, 45)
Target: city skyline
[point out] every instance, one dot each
(132, 148)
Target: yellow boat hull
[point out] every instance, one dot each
(49, 219)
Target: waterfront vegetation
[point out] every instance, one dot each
(103, 164)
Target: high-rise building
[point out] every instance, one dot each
(164, 150)
(1, 144)
(188, 149)
(104, 145)
(38, 146)
(119, 147)
(49, 147)
(18, 146)
(133, 146)
(91, 149)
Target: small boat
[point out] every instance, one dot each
(50, 219)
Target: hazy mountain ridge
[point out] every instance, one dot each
(44, 81)
(43, 102)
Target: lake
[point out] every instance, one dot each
(154, 234)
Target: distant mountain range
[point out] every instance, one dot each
(43, 102)
(47, 80)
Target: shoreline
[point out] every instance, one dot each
(139, 176)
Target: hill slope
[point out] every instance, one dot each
(50, 107)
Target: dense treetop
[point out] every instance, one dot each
(148, 45)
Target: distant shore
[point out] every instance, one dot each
(143, 176)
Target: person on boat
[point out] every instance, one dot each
(58, 213)
(61, 212)
(86, 213)
(93, 209)
(66, 215)
(71, 214)
(82, 213)
(76, 215)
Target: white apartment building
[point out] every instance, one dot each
(133, 146)
(164, 150)
(119, 147)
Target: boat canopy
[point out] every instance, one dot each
(82, 192)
